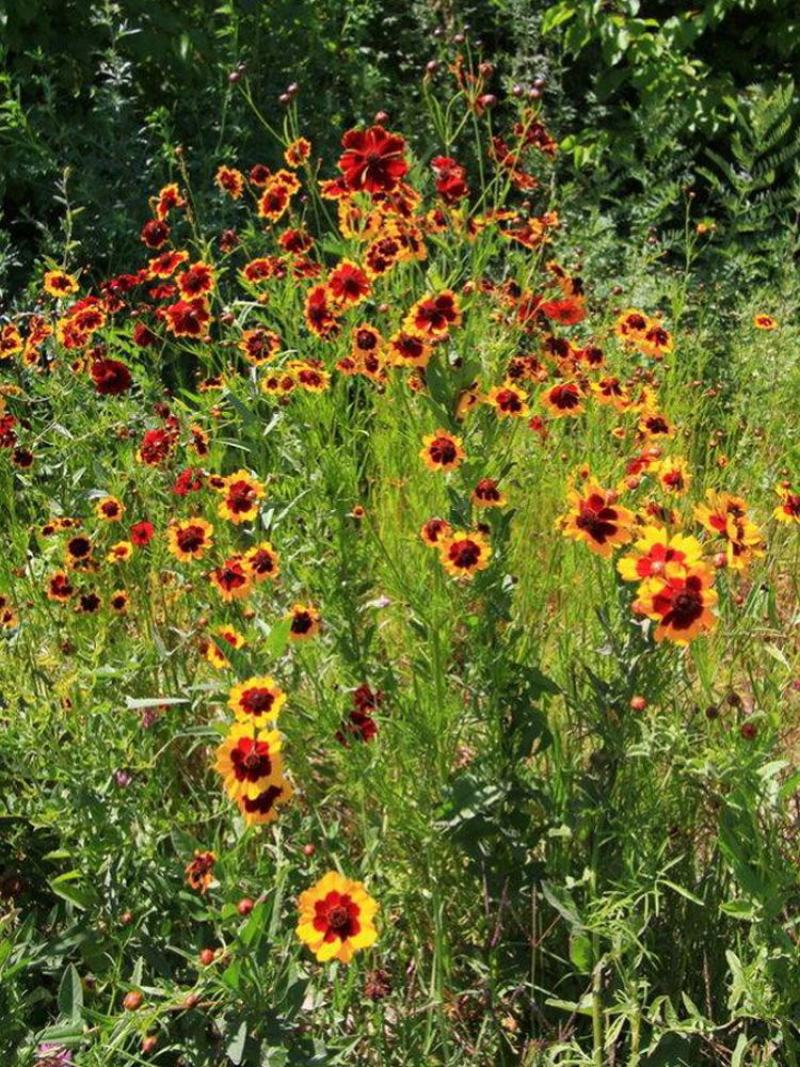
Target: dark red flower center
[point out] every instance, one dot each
(465, 553)
(251, 760)
(257, 701)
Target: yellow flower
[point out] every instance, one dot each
(337, 918)
(257, 700)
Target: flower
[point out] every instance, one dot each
(118, 601)
(188, 318)
(297, 152)
(789, 508)
(655, 342)
(320, 315)
(305, 622)
(674, 475)
(59, 587)
(120, 552)
(189, 538)
(257, 700)
(241, 494)
(434, 531)
(654, 549)
(231, 580)
(441, 451)
(348, 284)
(196, 281)
(263, 808)
(259, 345)
(486, 494)
(373, 160)
(463, 553)
(230, 181)
(764, 322)
(50, 1054)
(111, 377)
(262, 562)
(508, 400)
(725, 515)
(200, 871)
(142, 533)
(248, 760)
(680, 601)
(336, 918)
(596, 519)
(109, 508)
(59, 284)
(409, 349)
(78, 550)
(563, 399)
(432, 316)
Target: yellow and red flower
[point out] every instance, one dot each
(109, 509)
(789, 508)
(442, 451)
(336, 918)
(433, 316)
(435, 531)
(120, 552)
(463, 553)
(654, 549)
(764, 322)
(259, 345)
(486, 494)
(597, 519)
(563, 399)
(305, 622)
(508, 400)
(241, 493)
(257, 700)
(263, 808)
(189, 538)
(248, 760)
(297, 152)
(230, 181)
(348, 284)
(262, 562)
(59, 284)
(200, 871)
(232, 580)
(674, 475)
(681, 602)
(196, 281)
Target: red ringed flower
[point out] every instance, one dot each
(596, 519)
(680, 601)
(248, 760)
(464, 553)
(257, 700)
(336, 918)
(441, 451)
(509, 401)
(189, 538)
(241, 494)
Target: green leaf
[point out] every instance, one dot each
(235, 1047)
(580, 952)
(560, 899)
(81, 896)
(70, 994)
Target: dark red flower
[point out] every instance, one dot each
(373, 160)
(155, 233)
(111, 377)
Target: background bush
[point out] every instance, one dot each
(646, 98)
